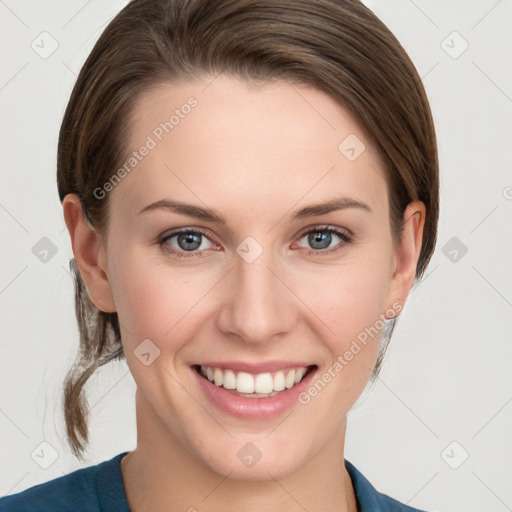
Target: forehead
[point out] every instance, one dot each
(249, 144)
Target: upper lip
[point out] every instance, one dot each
(255, 368)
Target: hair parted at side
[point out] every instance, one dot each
(338, 46)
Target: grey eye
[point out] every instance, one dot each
(320, 239)
(189, 241)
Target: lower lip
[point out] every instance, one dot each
(253, 408)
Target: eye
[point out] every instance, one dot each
(321, 239)
(191, 241)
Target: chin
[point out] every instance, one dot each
(254, 458)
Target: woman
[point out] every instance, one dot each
(251, 190)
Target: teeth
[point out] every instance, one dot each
(299, 374)
(244, 383)
(279, 381)
(218, 377)
(264, 383)
(290, 379)
(229, 379)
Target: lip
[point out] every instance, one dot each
(255, 368)
(253, 408)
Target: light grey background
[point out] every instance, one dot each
(445, 391)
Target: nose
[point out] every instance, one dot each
(258, 306)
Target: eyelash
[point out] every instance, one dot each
(343, 235)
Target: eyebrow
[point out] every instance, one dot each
(210, 215)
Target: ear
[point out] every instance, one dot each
(89, 254)
(406, 254)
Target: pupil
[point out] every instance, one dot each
(189, 241)
(320, 240)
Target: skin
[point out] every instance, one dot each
(255, 154)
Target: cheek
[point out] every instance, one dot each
(351, 313)
(154, 301)
(347, 298)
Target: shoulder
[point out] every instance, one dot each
(95, 488)
(371, 500)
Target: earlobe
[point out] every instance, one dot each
(89, 254)
(407, 252)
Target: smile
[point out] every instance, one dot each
(253, 391)
(254, 385)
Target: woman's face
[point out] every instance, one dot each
(274, 253)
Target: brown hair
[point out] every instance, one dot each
(338, 46)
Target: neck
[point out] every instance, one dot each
(161, 475)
